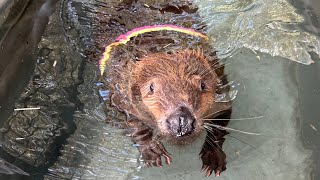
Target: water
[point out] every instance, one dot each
(68, 135)
(266, 26)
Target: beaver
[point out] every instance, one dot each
(167, 96)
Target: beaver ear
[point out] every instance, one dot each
(135, 93)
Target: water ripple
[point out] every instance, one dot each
(269, 26)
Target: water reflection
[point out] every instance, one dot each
(269, 26)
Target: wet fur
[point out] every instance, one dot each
(176, 77)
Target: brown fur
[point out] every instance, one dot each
(176, 79)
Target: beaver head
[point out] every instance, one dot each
(177, 89)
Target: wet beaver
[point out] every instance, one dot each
(165, 83)
(167, 96)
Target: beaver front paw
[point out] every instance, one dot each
(213, 159)
(152, 152)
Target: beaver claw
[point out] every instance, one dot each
(152, 152)
(213, 159)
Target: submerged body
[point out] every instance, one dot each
(167, 96)
(165, 83)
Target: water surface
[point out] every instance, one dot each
(68, 135)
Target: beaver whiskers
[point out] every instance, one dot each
(231, 129)
(234, 119)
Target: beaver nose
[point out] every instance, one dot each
(181, 123)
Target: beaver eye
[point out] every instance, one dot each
(202, 86)
(151, 88)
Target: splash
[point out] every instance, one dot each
(124, 38)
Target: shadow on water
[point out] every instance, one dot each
(45, 66)
(309, 90)
(309, 118)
